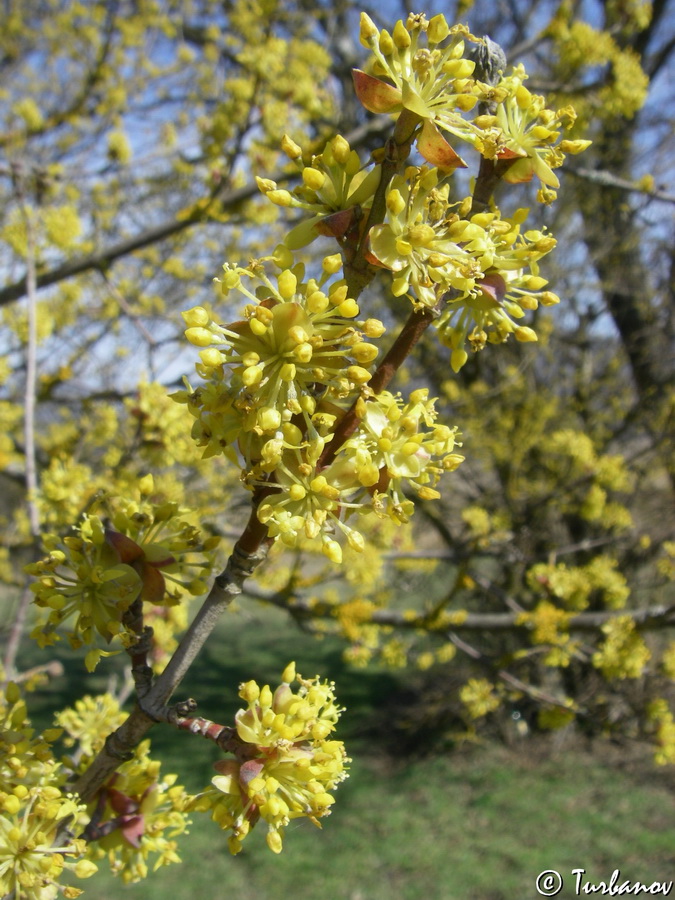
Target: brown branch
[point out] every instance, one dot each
(648, 618)
(247, 554)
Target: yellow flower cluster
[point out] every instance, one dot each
(138, 812)
(143, 813)
(479, 697)
(286, 766)
(482, 268)
(278, 382)
(661, 715)
(623, 653)
(549, 626)
(436, 84)
(333, 183)
(145, 549)
(34, 854)
(575, 585)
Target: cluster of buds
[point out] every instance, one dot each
(423, 67)
(286, 764)
(142, 550)
(36, 850)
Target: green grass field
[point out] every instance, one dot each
(479, 823)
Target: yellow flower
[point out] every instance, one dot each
(287, 766)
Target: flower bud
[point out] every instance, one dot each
(288, 284)
(525, 334)
(313, 178)
(288, 675)
(197, 317)
(332, 264)
(280, 198)
(364, 353)
(341, 149)
(400, 36)
(200, 337)
(548, 298)
(212, 357)
(395, 202)
(290, 148)
(252, 375)
(373, 328)
(333, 551)
(437, 29)
(265, 185)
(358, 375)
(458, 358)
(385, 43)
(368, 32)
(287, 372)
(269, 418)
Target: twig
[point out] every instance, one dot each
(18, 624)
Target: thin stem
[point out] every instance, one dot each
(31, 476)
(31, 372)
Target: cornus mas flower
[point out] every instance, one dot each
(434, 82)
(32, 808)
(507, 284)
(286, 764)
(145, 550)
(397, 444)
(312, 505)
(437, 84)
(418, 242)
(139, 812)
(523, 129)
(333, 184)
(31, 860)
(292, 347)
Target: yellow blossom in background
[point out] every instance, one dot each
(479, 697)
(623, 653)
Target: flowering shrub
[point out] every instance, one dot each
(298, 393)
